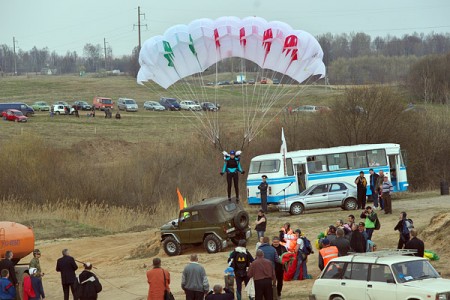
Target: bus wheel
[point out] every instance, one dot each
(350, 204)
(297, 209)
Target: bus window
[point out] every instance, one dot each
(317, 164)
(289, 167)
(376, 158)
(357, 160)
(337, 162)
(265, 166)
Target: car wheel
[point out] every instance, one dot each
(350, 204)
(336, 298)
(171, 246)
(212, 244)
(241, 220)
(297, 209)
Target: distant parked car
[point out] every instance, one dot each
(263, 80)
(224, 82)
(169, 103)
(62, 103)
(153, 105)
(40, 106)
(81, 105)
(322, 195)
(102, 103)
(14, 115)
(275, 81)
(189, 105)
(127, 104)
(251, 81)
(306, 108)
(24, 108)
(208, 106)
(59, 109)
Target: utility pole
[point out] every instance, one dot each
(139, 26)
(104, 48)
(15, 59)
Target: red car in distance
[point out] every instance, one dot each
(14, 115)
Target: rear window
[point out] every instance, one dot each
(230, 206)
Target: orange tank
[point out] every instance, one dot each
(17, 238)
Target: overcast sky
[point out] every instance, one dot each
(63, 25)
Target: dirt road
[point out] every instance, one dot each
(124, 278)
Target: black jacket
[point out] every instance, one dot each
(374, 176)
(228, 295)
(89, 286)
(9, 265)
(342, 244)
(416, 244)
(67, 266)
(358, 242)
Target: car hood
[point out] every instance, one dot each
(169, 225)
(438, 285)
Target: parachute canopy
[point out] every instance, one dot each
(185, 50)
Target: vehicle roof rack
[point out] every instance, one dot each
(384, 253)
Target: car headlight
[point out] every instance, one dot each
(441, 296)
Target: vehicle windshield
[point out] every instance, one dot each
(129, 102)
(266, 166)
(414, 270)
(82, 103)
(17, 113)
(106, 101)
(172, 101)
(306, 192)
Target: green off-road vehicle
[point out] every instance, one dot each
(212, 222)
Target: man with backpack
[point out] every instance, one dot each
(404, 227)
(303, 249)
(240, 259)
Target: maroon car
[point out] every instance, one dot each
(14, 115)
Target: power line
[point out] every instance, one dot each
(139, 26)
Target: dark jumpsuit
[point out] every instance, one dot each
(232, 166)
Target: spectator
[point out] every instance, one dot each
(416, 244)
(327, 253)
(35, 263)
(217, 294)
(261, 223)
(357, 241)
(262, 187)
(403, 231)
(90, 286)
(361, 186)
(36, 285)
(194, 281)
(118, 116)
(341, 243)
(7, 288)
(301, 271)
(370, 218)
(279, 270)
(66, 266)
(331, 233)
(269, 252)
(240, 259)
(7, 264)
(386, 190)
(349, 225)
(373, 188)
(378, 189)
(158, 280)
(263, 273)
(28, 292)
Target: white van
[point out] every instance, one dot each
(127, 104)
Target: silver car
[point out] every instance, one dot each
(153, 105)
(323, 195)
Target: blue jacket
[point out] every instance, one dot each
(36, 283)
(270, 253)
(232, 165)
(7, 289)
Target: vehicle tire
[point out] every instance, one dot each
(28, 115)
(297, 209)
(171, 246)
(350, 204)
(336, 298)
(212, 244)
(241, 220)
(57, 113)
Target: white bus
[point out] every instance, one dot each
(288, 176)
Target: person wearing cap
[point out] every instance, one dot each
(361, 186)
(36, 285)
(262, 187)
(232, 166)
(66, 266)
(89, 285)
(35, 263)
(327, 253)
(386, 190)
(156, 282)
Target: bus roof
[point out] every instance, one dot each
(390, 149)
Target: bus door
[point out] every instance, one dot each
(301, 177)
(394, 169)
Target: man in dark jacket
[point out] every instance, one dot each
(262, 187)
(361, 184)
(415, 244)
(357, 240)
(341, 243)
(279, 271)
(216, 293)
(7, 264)
(269, 252)
(67, 266)
(240, 260)
(89, 285)
(373, 187)
(404, 232)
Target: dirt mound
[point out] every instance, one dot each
(436, 232)
(147, 249)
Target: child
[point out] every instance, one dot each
(7, 289)
(259, 243)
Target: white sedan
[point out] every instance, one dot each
(153, 105)
(190, 105)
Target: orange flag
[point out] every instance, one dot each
(180, 199)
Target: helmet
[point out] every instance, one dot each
(232, 152)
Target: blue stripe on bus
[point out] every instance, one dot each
(270, 199)
(327, 175)
(272, 181)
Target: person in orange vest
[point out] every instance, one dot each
(327, 253)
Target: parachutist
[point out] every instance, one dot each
(232, 166)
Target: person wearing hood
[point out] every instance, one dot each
(27, 292)
(90, 286)
(232, 166)
(240, 259)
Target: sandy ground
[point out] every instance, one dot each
(124, 278)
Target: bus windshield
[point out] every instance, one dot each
(265, 166)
